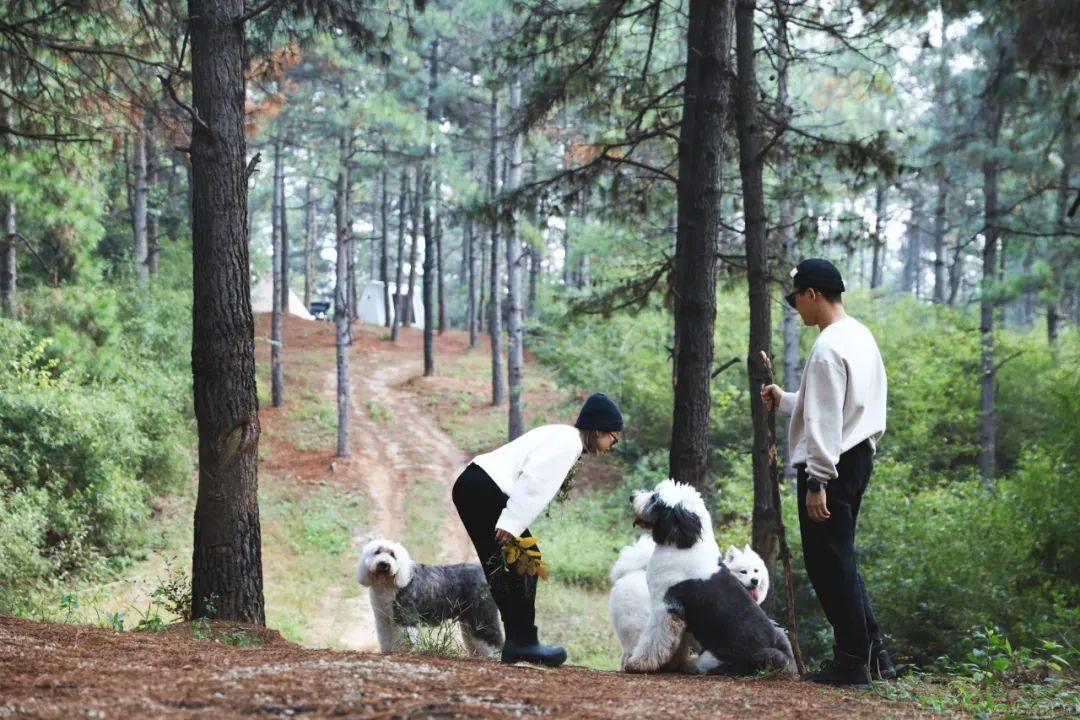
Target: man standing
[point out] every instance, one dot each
(837, 416)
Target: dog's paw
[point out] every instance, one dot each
(638, 664)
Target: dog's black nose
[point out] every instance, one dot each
(753, 582)
(382, 567)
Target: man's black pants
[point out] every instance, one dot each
(479, 503)
(829, 553)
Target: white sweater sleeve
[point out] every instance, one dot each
(823, 408)
(788, 402)
(541, 477)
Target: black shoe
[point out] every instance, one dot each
(844, 670)
(522, 646)
(881, 665)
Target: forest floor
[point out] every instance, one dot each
(402, 458)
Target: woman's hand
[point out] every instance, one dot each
(502, 537)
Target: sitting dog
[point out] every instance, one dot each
(629, 606)
(692, 591)
(406, 594)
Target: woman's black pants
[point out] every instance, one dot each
(479, 503)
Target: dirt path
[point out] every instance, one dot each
(395, 441)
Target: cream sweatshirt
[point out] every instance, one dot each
(530, 470)
(841, 400)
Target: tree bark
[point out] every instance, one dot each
(277, 262)
(1053, 313)
(429, 276)
(9, 259)
(309, 243)
(139, 203)
(941, 205)
(495, 310)
(993, 112)
(342, 261)
(414, 205)
(705, 110)
(880, 194)
(472, 267)
(403, 197)
(283, 229)
(748, 131)
(226, 572)
(384, 238)
(515, 369)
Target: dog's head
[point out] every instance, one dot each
(674, 512)
(384, 561)
(749, 569)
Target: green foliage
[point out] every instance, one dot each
(581, 537)
(94, 422)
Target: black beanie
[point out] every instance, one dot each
(599, 413)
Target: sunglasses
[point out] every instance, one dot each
(790, 297)
(614, 438)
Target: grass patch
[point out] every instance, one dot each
(312, 419)
(307, 558)
(425, 501)
(581, 538)
(577, 618)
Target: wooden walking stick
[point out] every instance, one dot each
(781, 533)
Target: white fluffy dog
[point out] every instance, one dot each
(684, 548)
(629, 603)
(693, 596)
(406, 594)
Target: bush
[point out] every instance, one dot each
(95, 421)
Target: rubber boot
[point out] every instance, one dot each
(522, 646)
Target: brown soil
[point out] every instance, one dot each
(50, 670)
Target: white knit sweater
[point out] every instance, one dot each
(841, 400)
(530, 470)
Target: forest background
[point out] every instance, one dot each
(524, 166)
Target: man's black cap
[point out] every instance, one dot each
(817, 273)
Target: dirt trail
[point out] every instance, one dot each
(394, 440)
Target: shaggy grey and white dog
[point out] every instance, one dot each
(693, 594)
(406, 594)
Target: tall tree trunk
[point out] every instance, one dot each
(414, 205)
(139, 203)
(880, 193)
(537, 209)
(283, 231)
(1053, 313)
(993, 111)
(515, 368)
(226, 568)
(913, 258)
(472, 268)
(277, 262)
(153, 172)
(342, 311)
(495, 309)
(705, 111)
(941, 205)
(384, 239)
(309, 243)
(440, 265)
(748, 131)
(8, 259)
(791, 323)
(429, 276)
(399, 307)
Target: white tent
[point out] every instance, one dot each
(262, 299)
(370, 305)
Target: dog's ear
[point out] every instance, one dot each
(730, 555)
(747, 550)
(362, 575)
(676, 526)
(404, 573)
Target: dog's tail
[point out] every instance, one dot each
(633, 558)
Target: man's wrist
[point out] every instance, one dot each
(815, 485)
